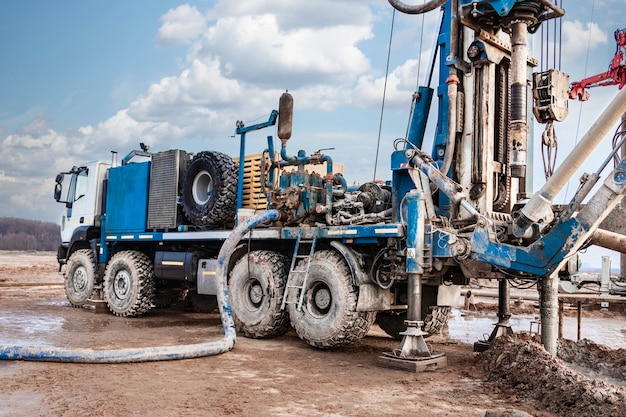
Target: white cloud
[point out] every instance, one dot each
(401, 83)
(302, 13)
(237, 67)
(241, 56)
(6, 178)
(180, 26)
(579, 37)
(269, 55)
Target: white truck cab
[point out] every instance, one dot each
(81, 190)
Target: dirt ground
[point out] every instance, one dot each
(275, 377)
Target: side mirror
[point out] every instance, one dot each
(59, 179)
(58, 192)
(57, 188)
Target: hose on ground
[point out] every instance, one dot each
(162, 353)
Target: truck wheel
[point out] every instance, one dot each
(202, 303)
(80, 277)
(129, 286)
(256, 286)
(210, 189)
(392, 323)
(328, 317)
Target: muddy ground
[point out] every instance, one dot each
(277, 377)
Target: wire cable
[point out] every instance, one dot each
(382, 109)
(580, 105)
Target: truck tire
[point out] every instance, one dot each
(392, 323)
(210, 189)
(80, 277)
(256, 286)
(202, 303)
(328, 316)
(129, 287)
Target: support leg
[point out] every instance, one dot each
(413, 354)
(503, 327)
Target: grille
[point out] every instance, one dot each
(165, 173)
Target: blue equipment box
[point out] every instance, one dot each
(127, 198)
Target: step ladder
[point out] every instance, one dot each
(295, 272)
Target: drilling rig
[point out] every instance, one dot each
(329, 259)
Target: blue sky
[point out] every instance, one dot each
(79, 79)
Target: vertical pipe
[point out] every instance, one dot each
(453, 87)
(561, 319)
(622, 257)
(579, 317)
(270, 150)
(242, 160)
(414, 312)
(549, 312)
(519, 133)
(504, 302)
(419, 115)
(414, 261)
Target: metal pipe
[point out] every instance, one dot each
(420, 108)
(609, 240)
(414, 259)
(519, 130)
(83, 355)
(622, 256)
(579, 316)
(422, 161)
(453, 86)
(504, 302)
(540, 205)
(549, 307)
(416, 9)
(561, 309)
(241, 172)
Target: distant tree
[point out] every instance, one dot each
(23, 234)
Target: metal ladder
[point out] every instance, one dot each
(294, 272)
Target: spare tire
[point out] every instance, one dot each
(210, 189)
(392, 322)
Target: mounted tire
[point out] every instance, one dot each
(129, 287)
(256, 286)
(210, 189)
(80, 277)
(328, 317)
(392, 323)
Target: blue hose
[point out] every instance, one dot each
(163, 353)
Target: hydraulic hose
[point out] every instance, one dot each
(417, 9)
(163, 353)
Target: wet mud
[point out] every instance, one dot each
(279, 377)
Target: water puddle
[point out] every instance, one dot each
(594, 374)
(28, 328)
(471, 326)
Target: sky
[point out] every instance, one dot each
(80, 79)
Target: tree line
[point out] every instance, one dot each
(23, 234)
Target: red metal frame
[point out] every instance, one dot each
(616, 74)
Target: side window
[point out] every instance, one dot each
(81, 184)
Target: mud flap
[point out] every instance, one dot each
(449, 295)
(373, 298)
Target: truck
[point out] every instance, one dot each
(142, 232)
